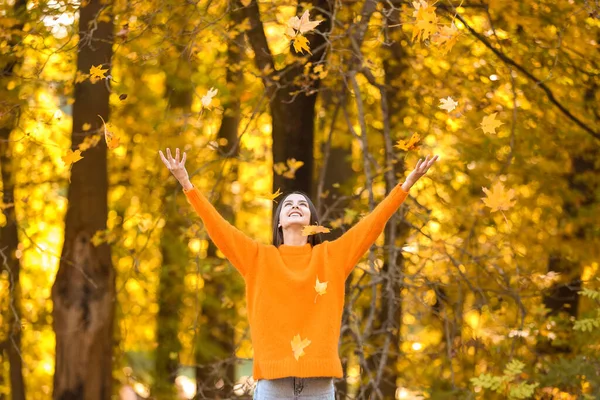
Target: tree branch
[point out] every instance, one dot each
(529, 75)
(256, 36)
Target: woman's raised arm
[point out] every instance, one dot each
(240, 249)
(354, 243)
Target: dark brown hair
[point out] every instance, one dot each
(314, 220)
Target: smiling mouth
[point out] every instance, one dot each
(295, 212)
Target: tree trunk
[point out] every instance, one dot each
(389, 320)
(292, 115)
(9, 239)
(84, 291)
(215, 347)
(563, 297)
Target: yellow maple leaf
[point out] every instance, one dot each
(498, 198)
(300, 44)
(448, 104)
(410, 144)
(86, 127)
(320, 288)
(112, 141)
(446, 38)
(301, 25)
(489, 123)
(273, 196)
(426, 21)
(207, 98)
(98, 72)
(298, 346)
(88, 142)
(279, 168)
(71, 157)
(293, 167)
(313, 230)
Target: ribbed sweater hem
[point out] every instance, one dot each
(309, 368)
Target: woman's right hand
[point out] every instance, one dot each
(176, 166)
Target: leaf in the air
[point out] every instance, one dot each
(320, 288)
(409, 144)
(273, 196)
(293, 167)
(207, 98)
(446, 38)
(448, 104)
(89, 141)
(499, 198)
(279, 168)
(301, 25)
(300, 44)
(298, 346)
(112, 141)
(71, 157)
(98, 72)
(313, 230)
(426, 20)
(490, 123)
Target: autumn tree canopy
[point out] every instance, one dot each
(484, 283)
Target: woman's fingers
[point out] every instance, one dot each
(164, 160)
(183, 160)
(177, 155)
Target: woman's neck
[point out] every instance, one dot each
(292, 236)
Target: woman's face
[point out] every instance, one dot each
(294, 210)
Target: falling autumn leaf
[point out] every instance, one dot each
(298, 346)
(207, 98)
(320, 288)
(273, 196)
(122, 96)
(112, 141)
(499, 198)
(293, 167)
(490, 123)
(88, 142)
(300, 43)
(298, 26)
(446, 38)
(313, 230)
(448, 104)
(86, 127)
(410, 144)
(279, 168)
(426, 20)
(71, 157)
(98, 72)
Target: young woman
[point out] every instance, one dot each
(295, 286)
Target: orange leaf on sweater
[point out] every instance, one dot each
(298, 346)
(321, 288)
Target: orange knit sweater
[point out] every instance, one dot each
(294, 329)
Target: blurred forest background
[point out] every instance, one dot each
(485, 283)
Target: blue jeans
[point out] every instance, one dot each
(292, 388)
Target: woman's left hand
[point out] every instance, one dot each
(420, 170)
